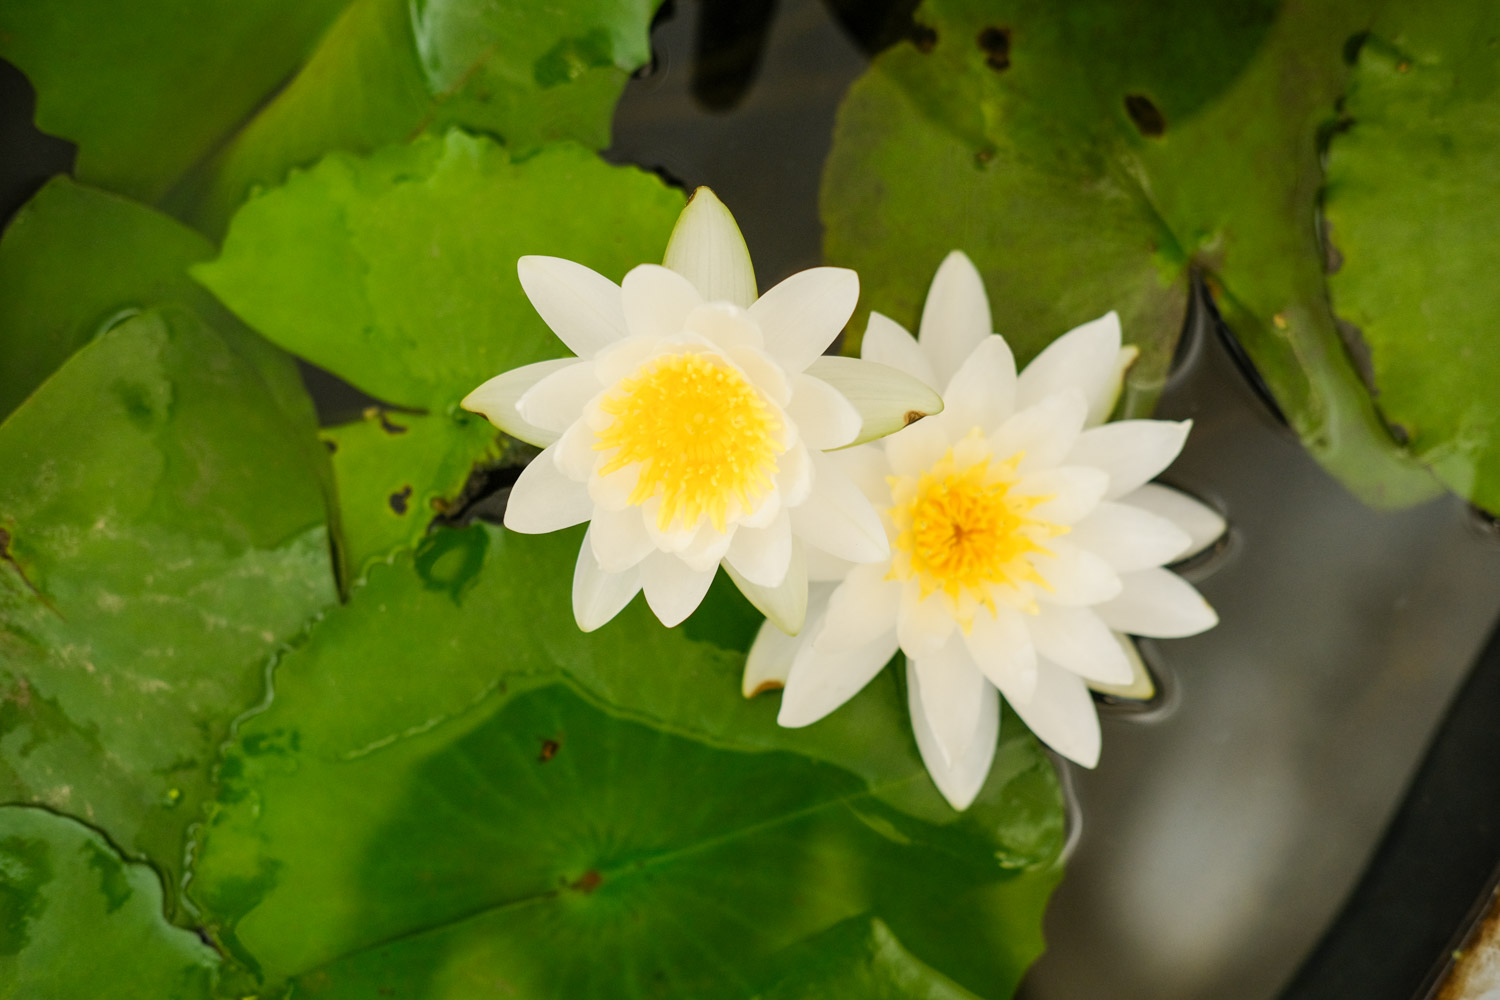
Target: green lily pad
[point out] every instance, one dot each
(1413, 216)
(76, 920)
(162, 537)
(397, 273)
(455, 786)
(1095, 156)
(858, 958)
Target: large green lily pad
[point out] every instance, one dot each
(76, 920)
(455, 787)
(163, 536)
(1413, 217)
(397, 273)
(1097, 155)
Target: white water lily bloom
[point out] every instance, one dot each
(1025, 544)
(691, 426)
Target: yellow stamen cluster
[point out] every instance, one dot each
(701, 432)
(962, 530)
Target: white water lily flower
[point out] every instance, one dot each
(691, 426)
(1025, 544)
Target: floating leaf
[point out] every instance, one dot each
(397, 273)
(429, 804)
(1093, 156)
(1413, 217)
(77, 920)
(162, 535)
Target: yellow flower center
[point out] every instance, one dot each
(702, 434)
(963, 530)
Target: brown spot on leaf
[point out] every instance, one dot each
(587, 882)
(549, 750)
(924, 38)
(995, 43)
(386, 424)
(331, 445)
(399, 500)
(1146, 115)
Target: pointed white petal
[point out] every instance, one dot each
(1131, 451)
(557, 401)
(762, 555)
(657, 301)
(982, 393)
(1077, 577)
(496, 400)
(1062, 715)
(923, 625)
(581, 306)
(599, 596)
(961, 780)
(951, 689)
(1129, 538)
(956, 316)
(1159, 604)
(1203, 525)
(824, 418)
(543, 499)
(837, 518)
(1103, 403)
(1075, 639)
(769, 661)
(1141, 686)
(863, 606)
(887, 342)
(785, 604)
(821, 682)
(1083, 358)
(707, 248)
(1045, 432)
(619, 539)
(1001, 647)
(886, 399)
(672, 589)
(801, 316)
(1074, 491)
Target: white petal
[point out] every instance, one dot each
(1062, 715)
(657, 301)
(864, 606)
(801, 316)
(1001, 647)
(1131, 451)
(823, 567)
(1129, 538)
(1074, 490)
(672, 589)
(824, 418)
(887, 342)
(769, 508)
(543, 499)
(613, 492)
(913, 450)
(1083, 358)
(1157, 603)
(956, 316)
(764, 373)
(575, 452)
(496, 400)
(707, 546)
(1141, 686)
(1103, 403)
(619, 539)
(794, 475)
(837, 518)
(724, 325)
(769, 661)
(1045, 432)
(1075, 639)
(707, 248)
(982, 393)
(821, 682)
(785, 604)
(557, 401)
(923, 625)
(581, 306)
(599, 596)
(887, 399)
(1204, 525)
(951, 689)
(1077, 577)
(762, 555)
(961, 780)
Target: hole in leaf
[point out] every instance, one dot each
(995, 42)
(1146, 115)
(400, 500)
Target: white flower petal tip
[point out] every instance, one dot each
(581, 306)
(784, 605)
(886, 399)
(888, 343)
(1141, 687)
(1104, 405)
(820, 682)
(956, 315)
(769, 661)
(802, 315)
(960, 779)
(1204, 526)
(1158, 604)
(1084, 358)
(599, 596)
(496, 400)
(1130, 451)
(707, 248)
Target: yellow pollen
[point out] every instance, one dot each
(702, 434)
(962, 530)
